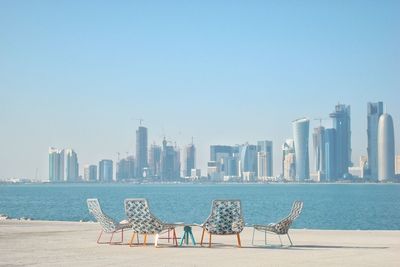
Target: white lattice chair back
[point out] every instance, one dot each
(106, 222)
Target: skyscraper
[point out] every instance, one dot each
(375, 110)
(248, 159)
(301, 129)
(330, 155)
(155, 160)
(341, 123)
(398, 164)
(141, 150)
(189, 160)
(90, 173)
(288, 160)
(386, 151)
(126, 169)
(262, 165)
(56, 165)
(71, 166)
(319, 151)
(106, 170)
(170, 162)
(266, 146)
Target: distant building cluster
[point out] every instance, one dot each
(332, 149)
(331, 161)
(243, 163)
(157, 163)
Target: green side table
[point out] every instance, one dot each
(187, 233)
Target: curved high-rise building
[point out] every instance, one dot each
(385, 147)
(301, 129)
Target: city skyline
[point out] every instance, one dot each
(248, 162)
(223, 73)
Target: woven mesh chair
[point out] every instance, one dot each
(225, 219)
(108, 224)
(282, 227)
(144, 222)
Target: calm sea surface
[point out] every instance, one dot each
(326, 206)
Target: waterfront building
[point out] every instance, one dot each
(195, 174)
(155, 160)
(386, 148)
(374, 110)
(248, 159)
(141, 151)
(189, 160)
(341, 123)
(330, 155)
(220, 151)
(126, 169)
(266, 147)
(71, 165)
(319, 152)
(364, 166)
(56, 165)
(300, 135)
(288, 160)
(212, 171)
(90, 173)
(398, 164)
(170, 162)
(106, 170)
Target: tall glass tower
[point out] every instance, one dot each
(385, 148)
(141, 150)
(301, 128)
(375, 110)
(330, 155)
(341, 123)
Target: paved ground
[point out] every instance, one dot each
(41, 243)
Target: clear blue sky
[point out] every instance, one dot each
(77, 73)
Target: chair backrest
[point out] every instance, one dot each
(225, 214)
(139, 215)
(284, 225)
(106, 222)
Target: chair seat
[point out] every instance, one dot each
(269, 227)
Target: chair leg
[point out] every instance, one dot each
(133, 237)
(252, 240)
(209, 241)
(98, 239)
(238, 240)
(265, 237)
(291, 244)
(112, 235)
(145, 240)
(175, 238)
(169, 235)
(280, 239)
(156, 240)
(202, 237)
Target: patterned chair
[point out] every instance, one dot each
(281, 227)
(108, 225)
(225, 219)
(144, 222)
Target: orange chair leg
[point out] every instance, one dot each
(209, 242)
(174, 236)
(202, 237)
(145, 240)
(133, 236)
(238, 240)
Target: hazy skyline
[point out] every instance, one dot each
(78, 75)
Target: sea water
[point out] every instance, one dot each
(326, 206)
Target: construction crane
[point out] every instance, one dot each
(320, 120)
(140, 120)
